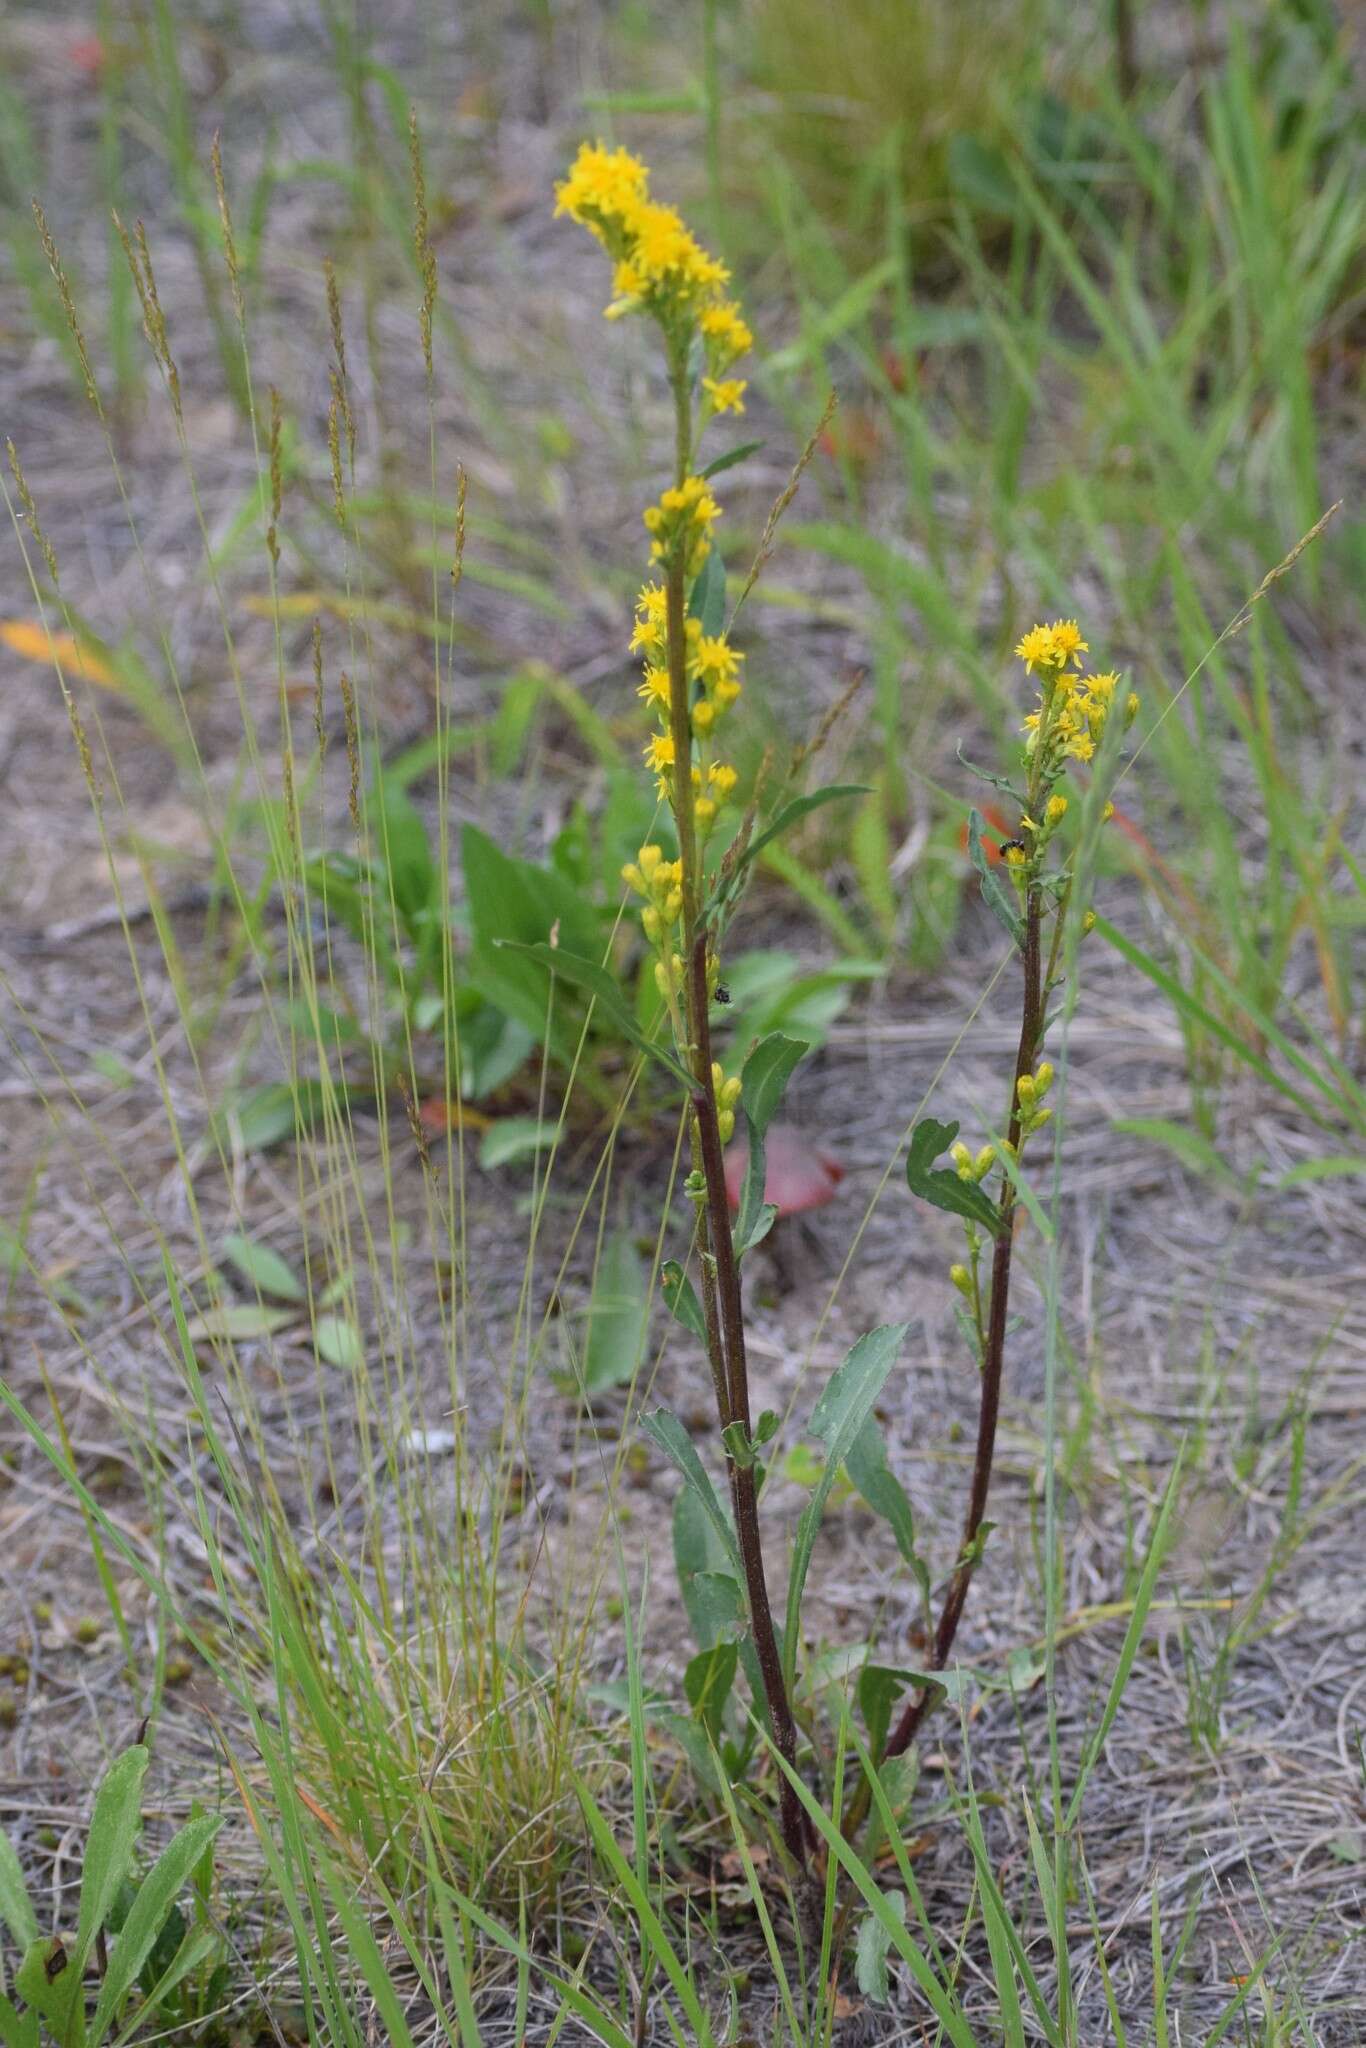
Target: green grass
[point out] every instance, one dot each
(444, 1804)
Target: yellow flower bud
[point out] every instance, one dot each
(650, 857)
(983, 1163)
(1107, 814)
(725, 1122)
(704, 810)
(717, 1075)
(961, 1279)
(662, 979)
(652, 925)
(1041, 1116)
(1131, 708)
(730, 1094)
(633, 878)
(962, 1159)
(703, 716)
(1088, 923)
(673, 906)
(1024, 1089)
(1043, 1079)
(1056, 810)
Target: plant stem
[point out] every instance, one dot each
(993, 1359)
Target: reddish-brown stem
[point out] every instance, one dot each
(722, 1300)
(993, 1356)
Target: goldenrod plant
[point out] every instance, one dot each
(691, 681)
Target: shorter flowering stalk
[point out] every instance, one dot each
(1067, 725)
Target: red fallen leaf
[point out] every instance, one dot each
(87, 54)
(798, 1175)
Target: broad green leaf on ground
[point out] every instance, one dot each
(262, 1268)
(617, 1316)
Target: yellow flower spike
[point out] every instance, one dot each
(983, 1163)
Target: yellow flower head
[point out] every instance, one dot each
(722, 778)
(651, 621)
(1068, 644)
(682, 520)
(727, 394)
(1036, 647)
(654, 688)
(659, 757)
(604, 187)
(725, 332)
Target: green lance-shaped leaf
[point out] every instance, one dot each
(668, 1432)
(707, 1683)
(767, 1072)
(680, 1298)
(16, 1908)
(48, 1981)
(837, 1419)
(879, 1486)
(707, 600)
(995, 895)
(115, 1826)
(148, 1914)
(942, 1186)
(596, 981)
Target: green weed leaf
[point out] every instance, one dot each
(680, 1297)
(767, 1072)
(262, 1268)
(837, 1419)
(618, 1312)
(668, 1432)
(873, 1947)
(997, 897)
(942, 1186)
(728, 461)
(16, 1908)
(337, 1342)
(151, 1908)
(595, 981)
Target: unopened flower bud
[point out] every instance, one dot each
(962, 1280)
(1107, 814)
(983, 1163)
(1131, 708)
(725, 1123)
(1043, 1078)
(1024, 1089)
(962, 1159)
(1055, 810)
(653, 925)
(1088, 923)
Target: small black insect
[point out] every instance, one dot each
(1009, 846)
(722, 993)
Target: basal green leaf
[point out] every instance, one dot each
(262, 1268)
(338, 1342)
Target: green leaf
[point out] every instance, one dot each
(707, 1682)
(48, 1980)
(150, 1909)
(595, 981)
(707, 601)
(995, 895)
(618, 1313)
(878, 1688)
(668, 1432)
(262, 1116)
(837, 1419)
(115, 1825)
(513, 1137)
(238, 1323)
(680, 1298)
(262, 1268)
(729, 460)
(1191, 1147)
(16, 1908)
(767, 1072)
(873, 1947)
(338, 1342)
(942, 1186)
(787, 817)
(401, 838)
(866, 1464)
(17, 2030)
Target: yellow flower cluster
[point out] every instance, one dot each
(660, 882)
(1073, 709)
(681, 523)
(660, 267)
(713, 673)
